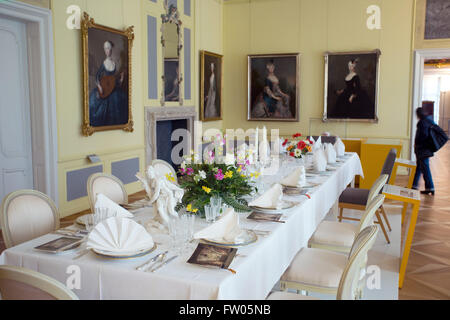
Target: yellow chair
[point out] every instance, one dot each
(328, 272)
(337, 236)
(18, 283)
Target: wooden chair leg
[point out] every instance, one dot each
(383, 212)
(380, 222)
(341, 210)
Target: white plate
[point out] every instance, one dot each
(87, 217)
(250, 237)
(285, 206)
(124, 255)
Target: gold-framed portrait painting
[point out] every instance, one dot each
(106, 77)
(273, 87)
(210, 86)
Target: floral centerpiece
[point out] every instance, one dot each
(297, 148)
(223, 177)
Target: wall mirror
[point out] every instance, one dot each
(171, 41)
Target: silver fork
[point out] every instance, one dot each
(146, 265)
(160, 259)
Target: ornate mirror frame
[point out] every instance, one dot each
(172, 16)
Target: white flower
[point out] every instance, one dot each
(229, 159)
(298, 153)
(202, 174)
(183, 165)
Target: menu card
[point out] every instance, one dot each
(210, 255)
(59, 244)
(259, 216)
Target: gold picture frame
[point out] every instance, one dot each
(213, 114)
(110, 93)
(285, 67)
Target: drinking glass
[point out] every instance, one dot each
(178, 234)
(209, 213)
(188, 221)
(216, 205)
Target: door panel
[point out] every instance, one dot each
(15, 125)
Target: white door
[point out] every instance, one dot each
(15, 126)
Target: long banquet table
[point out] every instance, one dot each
(258, 266)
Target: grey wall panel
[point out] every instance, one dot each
(76, 182)
(126, 170)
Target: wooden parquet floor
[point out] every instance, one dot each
(428, 272)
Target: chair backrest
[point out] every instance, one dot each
(162, 168)
(389, 163)
(18, 283)
(376, 188)
(372, 207)
(26, 215)
(108, 185)
(349, 284)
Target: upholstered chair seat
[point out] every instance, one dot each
(316, 267)
(329, 272)
(355, 196)
(339, 236)
(335, 233)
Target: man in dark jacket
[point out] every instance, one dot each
(423, 151)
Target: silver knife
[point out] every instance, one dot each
(164, 263)
(155, 258)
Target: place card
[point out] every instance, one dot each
(59, 245)
(271, 217)
(214, 256)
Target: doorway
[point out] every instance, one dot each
(28, 133)
(431, 88)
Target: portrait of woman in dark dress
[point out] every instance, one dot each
(353, 101)
(108, 102)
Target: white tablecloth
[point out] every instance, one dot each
(259, 266)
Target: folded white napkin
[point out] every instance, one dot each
(114, 209)
(320, 160)
(271, 199)
(318, 144)
(330, 152)
(119, 235)
(226, 228)
(296, 178)
(339, 146)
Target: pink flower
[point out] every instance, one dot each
(190, 171)
(219, 176)
(183, 172)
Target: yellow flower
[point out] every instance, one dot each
(189, 208)
(170, 177)
(290, 148)
(228, 174)
(206, 189)
(239, 170)
(243, 176)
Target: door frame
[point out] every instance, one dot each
(419, 69)
(39, 29)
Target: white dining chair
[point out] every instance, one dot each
(339, 236)
(163, 167)
(108, 185)
(18, 283)
(26, 215)
(350, 283)
(321, 271)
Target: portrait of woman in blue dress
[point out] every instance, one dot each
(108, 101)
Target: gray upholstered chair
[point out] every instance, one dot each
(357, 199)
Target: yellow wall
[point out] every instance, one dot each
(209, 37)
(419, 29)
(109, 145)
(38, 3)
(313, 27)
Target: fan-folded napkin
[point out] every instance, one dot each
(296, 178)
(330, 152)
(340, 147)
(113, 208)
(320, 160)
(226, 228)
(119, 235)
(271, 199)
